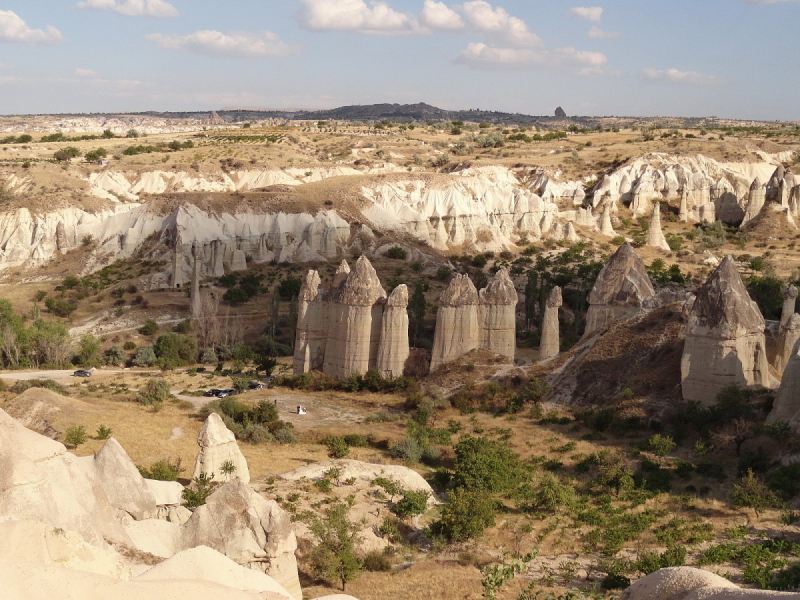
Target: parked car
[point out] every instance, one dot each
(82, 373)
(226, 393)
(256, 385)
(212, 392)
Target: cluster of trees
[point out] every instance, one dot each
(42, 343)
(22, 139)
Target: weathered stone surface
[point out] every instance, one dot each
(61, 238)
(725, 338)
(655, 236)
(238, 261)
(755, 201)
(177, 280)
(123, 484)
(620, 290)
(787, 401)
(683, 213)
(789, 304)
(195, 293)
(311, 336)
(217, 446)
(498, 304)
(550, 344)
(606, 227)
(788, 334)
(458, 329)
(205, 564)
(249, 529)
(393, 351)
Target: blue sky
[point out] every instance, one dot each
(729, 58)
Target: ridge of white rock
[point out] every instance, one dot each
(218, 446)
(725, 341)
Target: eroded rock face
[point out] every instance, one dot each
(789, 304)
(218, 446)
(123, 484)
(725, 338)
(498, 304)
(787, 401)
(755, 201)
(655, 236)
(393, 350)
(620, 290)
(606, 227)
(550, 345)
(457, 323)
(249, 529)
(788, 334)
(311, 336)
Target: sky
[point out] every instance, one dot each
(689, 58)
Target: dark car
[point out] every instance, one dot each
(226, 393)
(212, 392)
(256, 385)
(82, 373)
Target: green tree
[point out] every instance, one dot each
(75, 436)
(95, 155)
(661, 445)
(752, 492)
(228, 469)
(484, 464)
(417, 307)
(103, 432)
(174, 350)
(150, 327)
(466, 515)
(146, 356)
(89, 349)
(337, 447)
(336, 555)
(154, 392)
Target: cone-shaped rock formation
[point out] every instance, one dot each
(393, 351)
(655, 236)
(725, 338)
(217, 447)
(550, 344)
(620, 290)
(457, 323)
(498, 304)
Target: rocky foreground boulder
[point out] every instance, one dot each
(725, 341)
(687, 583)
(620, 291)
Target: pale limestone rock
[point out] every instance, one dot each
(788, 334)
(606, 228)
(177, 280)
(61, 238)
(725, 338)
(218, 445)
(570, 234)
(550, 344)
(238, 261)
(683, 213)
(394, 350)
(675, 583)
(789, 304)
(356, 324)
(155, 536)
(787, 401)
(620, 290)
(166, 493)
(38, 542)
(123, 484)
(195, 293)
(310, 340)
(655, 236)
(205, 564)
(498, 309)
(755, 201)
(248, 528)
(458, 329)
(24, 580)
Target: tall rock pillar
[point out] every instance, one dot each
(498, 312)
(755, 201)
(655, 236)
(725, 338)
(457, 328)
(309, 347)
(789, 304)
(393, 350)
(195, 293)
(551, 343)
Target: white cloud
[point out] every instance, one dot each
(582, 63)
(14, 29)
(85, 72)
(133, 8)
(598, 34)
(769, 1)
(480, 15)
(437, 15)
(590, 13)
(355, 15)
(239, 44)
(682, 77)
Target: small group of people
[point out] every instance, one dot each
(301, 409)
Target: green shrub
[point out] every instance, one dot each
(484, 464)
(396, 252)
(103, 432)
(661, 445)
(337, 447)
(323, 485)
(355, 440)
(752, 492)
(75, 436)
(162, 470)
(192, 498)
(408, 450)
(390, 530)
(411, 504)
(154, 392)
(150, 327)
(466, 515)
(145, 357)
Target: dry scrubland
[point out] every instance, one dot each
(592, 490)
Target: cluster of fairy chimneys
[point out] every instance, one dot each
(354, 326)
(727, 339)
